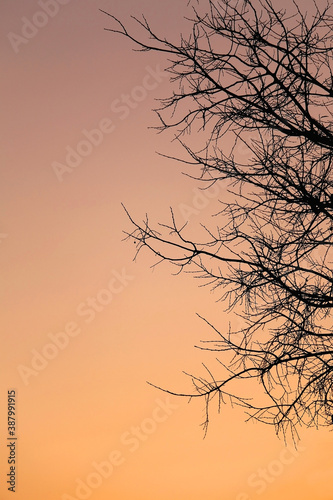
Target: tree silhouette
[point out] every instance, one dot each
(250, 67)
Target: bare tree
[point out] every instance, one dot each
(248, 66)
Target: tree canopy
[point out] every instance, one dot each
(250, 72)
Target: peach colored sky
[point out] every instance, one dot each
(61, 245)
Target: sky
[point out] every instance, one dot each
(84, 327)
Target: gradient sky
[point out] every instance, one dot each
(61, 247)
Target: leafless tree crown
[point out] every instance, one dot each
(247, 66)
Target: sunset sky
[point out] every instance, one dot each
(83, 326)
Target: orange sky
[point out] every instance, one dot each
(88, 425)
